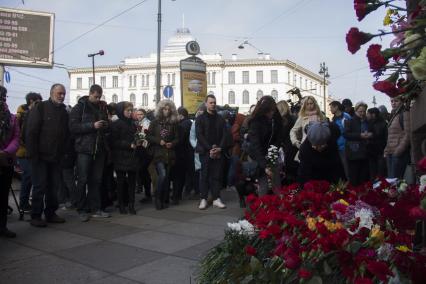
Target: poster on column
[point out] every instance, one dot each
(194, 89)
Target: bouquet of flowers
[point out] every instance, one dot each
(320, 233)
(272, 156)
(140, 138)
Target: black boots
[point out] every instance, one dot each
(159, 202)
(132, 210)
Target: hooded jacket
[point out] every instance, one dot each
(83, 116)
(123, 132)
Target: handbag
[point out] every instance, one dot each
(355, 150)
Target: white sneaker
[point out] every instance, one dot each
(203, 204)
(219, 204)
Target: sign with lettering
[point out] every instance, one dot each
(26, 38)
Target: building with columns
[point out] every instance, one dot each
(236, 82)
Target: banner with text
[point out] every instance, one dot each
(194, 89)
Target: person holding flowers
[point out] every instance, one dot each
(125, 160)
(163, 136)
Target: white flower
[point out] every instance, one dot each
(402, 187)
(234, 227)
(384, 251)
(365, 218)
(242, 226)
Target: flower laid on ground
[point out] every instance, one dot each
(319, 233)
(407, 52)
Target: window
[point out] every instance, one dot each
(147, 80)
(133, 99)
(274, 94)
(103, 81)
(306, 84)
(259, 77)
(208, 78)
(115, 81)
(130, 81)
(145, 99)
(231, 97)
(114, 98)
(316, 89)
(311, 86)
(90, 81)
(300, 82)
(134, 81)
(173, 79)
(79, 83)
(214, 78)
(259, 95)
(168, 79)
(231, 77)
(294, 80)
(143, 81)
(289, 77)
(274, 76)
(246, 98)
(246, 77)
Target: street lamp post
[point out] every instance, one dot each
(324, 73)
(158, 74)
(100, 52)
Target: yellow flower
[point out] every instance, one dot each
(377, 234)
(311, 223)
(387, 20)
(403, 248)
(342, 201)
(333, 226)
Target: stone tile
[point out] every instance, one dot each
(197, 252)
(49, 240)
(142, 222)
(217, 220)
(172, 215)
(168, 270)
(114, 280)
(158, 241)
(103, 230)
(194, 230)
(48, 269)
(11, 252)
(108, 256)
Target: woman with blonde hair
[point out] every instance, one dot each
(163, 137)
(309, 112)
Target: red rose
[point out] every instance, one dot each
(386, 87)
(422, 164)
(355, 38)
(250, 250)
(375, 57)
(379, 269)
(304, 273)
(291, 259)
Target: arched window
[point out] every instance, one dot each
(274, 94)
(145, 99)
(246, 97)
(114, 98)
(259, 95)
(133, 99)
(231, 97)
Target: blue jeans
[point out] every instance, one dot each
(162, 178)
(89, 173)
(26, 184)
(46, 178)
(397, 164)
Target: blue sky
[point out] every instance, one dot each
(305, 31)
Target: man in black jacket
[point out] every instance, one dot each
(46, 136)
(213, 140)
(89, 125)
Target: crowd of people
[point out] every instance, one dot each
(95, 155)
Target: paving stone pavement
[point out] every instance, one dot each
(152, 247)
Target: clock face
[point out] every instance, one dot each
(192, 48)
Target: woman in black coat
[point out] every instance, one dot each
(124, 155)
(265, 129)
(358, 133)
(377, 144)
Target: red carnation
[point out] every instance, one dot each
(304, 273)
(362, 8)
(363, 281)
(250, 250)
(355, 38)
(291, 259)
(417, 213)
(379, 269)
(422, 164)
(375, 57)
(386, 87)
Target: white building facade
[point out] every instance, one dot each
(236, 82)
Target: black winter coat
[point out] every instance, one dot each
(184, 150)
(353, 134)
(84, 114)
(263, 133)
(202, 130)
(122, 136)
(47, 131)
(325, 165)
(377, 144)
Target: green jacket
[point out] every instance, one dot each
(161, 130)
